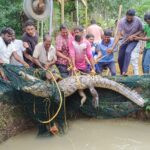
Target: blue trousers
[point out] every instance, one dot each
(96, 68)
(110, 65)
(146, 61)
(125, 55)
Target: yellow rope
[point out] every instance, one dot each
(34, 109)
(61, 98)
(79, 85)
(65, 114)
(76, 76)
(61, 101)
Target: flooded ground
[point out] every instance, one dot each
(88, 135)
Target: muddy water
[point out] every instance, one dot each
(88, 135)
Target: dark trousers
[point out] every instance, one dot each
(146, 61)
(63, 70)
(125, 55)
(110, 65)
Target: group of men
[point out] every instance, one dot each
(92, 52)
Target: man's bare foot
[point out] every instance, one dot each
(54, 130)
(124, 74)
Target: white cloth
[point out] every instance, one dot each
(135, 58)
(93, 52)
(40, 53)
(6, 51)
(19, 49)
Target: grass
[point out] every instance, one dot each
(130, 69)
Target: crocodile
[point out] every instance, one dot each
(70, 85)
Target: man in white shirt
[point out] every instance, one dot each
(45, 54)
(19, 49)
(44, 57)
(7, 48)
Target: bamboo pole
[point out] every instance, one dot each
(84, 2)
(51, 18)
(86, 13)
(38, 28)
(62, 11)
(77, 11)
(119, 16)
(42, 30)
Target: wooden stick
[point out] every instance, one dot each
(62, 11)
(84, 2)
(86, 13)
(77, 11)
(119, 16)
(38, 27)
(51, 18)
(42, 30)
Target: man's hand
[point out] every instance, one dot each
(110, 51)
(25, 44)
(131, 38)
(1, 61)
(69, 60)
(93, 72)
(26, 65)
(141, 52)
(96, 61)
(75, 69)
(2, 75)
(147, 39)
(137, 38)
(46, 66)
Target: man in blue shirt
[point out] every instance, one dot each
(106, 59)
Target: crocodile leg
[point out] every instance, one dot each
(95, 100)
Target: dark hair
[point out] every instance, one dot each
(93, 21)
(63, 26)
(78, 38)
(8, 30)
(45, 36)
(108, 32)
(79, 28)
(147, 16)
(29, 23)
(89, 36)
(131, 12)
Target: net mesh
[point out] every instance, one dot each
(112, 104)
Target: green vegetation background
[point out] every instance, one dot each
(104, 11)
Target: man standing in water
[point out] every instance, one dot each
(129, 27)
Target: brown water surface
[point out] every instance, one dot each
(88, 134)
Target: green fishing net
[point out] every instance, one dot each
(112, 104)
